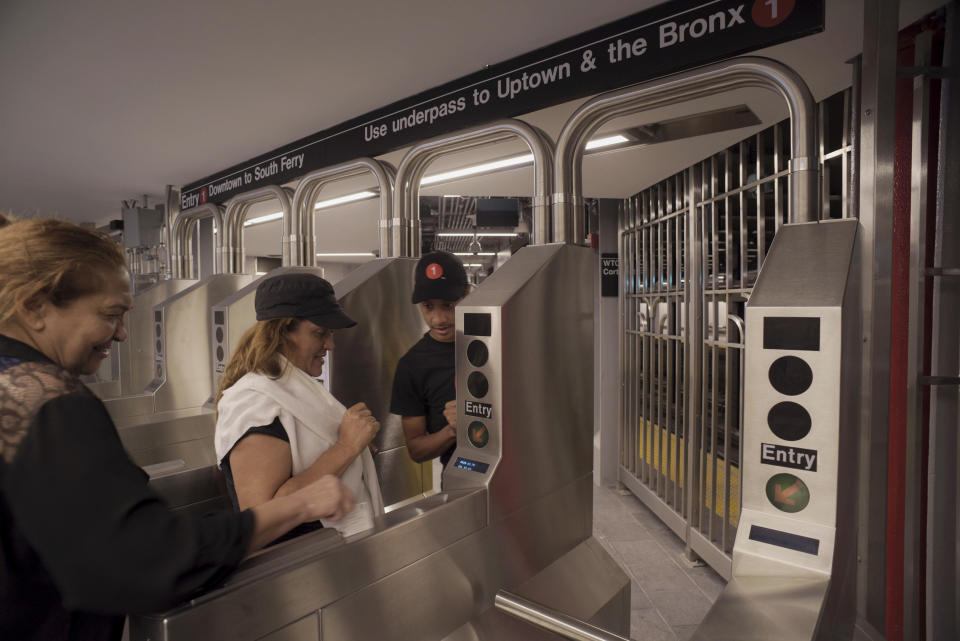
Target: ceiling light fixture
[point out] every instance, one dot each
(474, 254)
(607, 141)
(463, 172)
(503, 163)
(349, 198)
(346, 255)
(466, 234)
(263, 219)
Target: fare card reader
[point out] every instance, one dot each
(524, 379)
(800, 415)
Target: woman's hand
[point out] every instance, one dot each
(326, 498)
(358, 428)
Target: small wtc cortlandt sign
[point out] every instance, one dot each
(609, 275)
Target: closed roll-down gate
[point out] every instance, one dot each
(690, 250)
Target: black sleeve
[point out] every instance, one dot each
(275, 429)
(109, 543)
(406, 399)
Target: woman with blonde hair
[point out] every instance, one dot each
(278, 428)
(83, 540)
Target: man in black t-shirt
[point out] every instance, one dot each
(424, 394)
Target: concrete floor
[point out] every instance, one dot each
(670, 598)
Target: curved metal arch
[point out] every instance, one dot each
(405, 226)
(182, 245)
(303, 249)
(236, 213)
(705, 81)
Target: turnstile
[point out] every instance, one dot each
(794, 559)
(515, 512)
(134, 356)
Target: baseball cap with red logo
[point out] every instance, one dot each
(439, 274)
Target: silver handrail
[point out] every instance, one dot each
(302, 248)
(182, 249)
(406, 221)
(548, 619)
(236, 214)
(738, 73)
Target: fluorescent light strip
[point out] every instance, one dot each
(512, 161)
(333, 202)
(473, 264)
(598, 143)
(346, 255)
(505, 163)
(263, 219)
(349, 198)
(474, 254)
(493, 234)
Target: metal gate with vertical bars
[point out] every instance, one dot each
(690, 250)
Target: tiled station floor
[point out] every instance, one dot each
(669, 598)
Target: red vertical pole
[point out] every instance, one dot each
(899, 328)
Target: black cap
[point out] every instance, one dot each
(440, 275)
(300, 296)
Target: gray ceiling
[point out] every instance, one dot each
(102, 101)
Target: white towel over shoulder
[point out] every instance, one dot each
(311, 417)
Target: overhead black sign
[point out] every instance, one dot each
(662, 40)
(609, 275)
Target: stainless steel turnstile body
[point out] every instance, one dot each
(179, 334)
(135, 355)
(516, 510)
(377, 296)
(794, 559)
(165, 429)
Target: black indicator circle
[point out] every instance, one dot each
(790, 375)
(219, 353)
(477, 385)
(159, 347)
(219, 334)
(477, 353)
(789, 421)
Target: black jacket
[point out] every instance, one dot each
(82, 538)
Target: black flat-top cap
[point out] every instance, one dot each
(300, 296)
(439, 274)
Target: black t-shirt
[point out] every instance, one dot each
(424, 383)
(276, 430)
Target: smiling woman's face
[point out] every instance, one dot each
(306, 346)
(78, 335)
